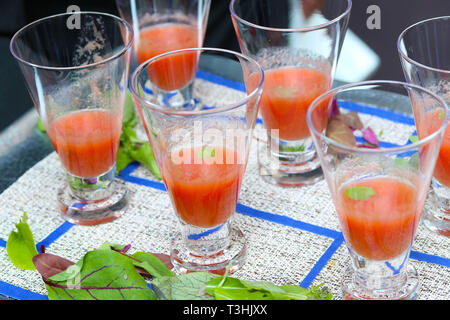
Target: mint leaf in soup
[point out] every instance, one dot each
(21, 247)
(285, 92)
(359, 192)
(206, 153)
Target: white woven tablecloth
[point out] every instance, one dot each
(293, 233)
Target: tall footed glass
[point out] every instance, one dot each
(202, 154)
(76, 70)
(297, 42)
(425, 55)
(161, 26)
(378, 186)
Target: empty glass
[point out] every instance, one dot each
(378, 177)
(77, 78)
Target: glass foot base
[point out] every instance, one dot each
(435, 224)
(436, 215)
(93, 212)
(186, 260)
(288, 169)
(406, 291)
(285, 179)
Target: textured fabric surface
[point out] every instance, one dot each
(293, 233)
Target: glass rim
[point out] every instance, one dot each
(412, 61)
(126, 47)
(380, 150)
(170, 111)
(302, 29)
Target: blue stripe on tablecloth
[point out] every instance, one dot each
(236, 85)
(19, 293)
(246, 210)
(52, 237)
(323, 260)
(286, 221)
(381, 113)
(429, 258)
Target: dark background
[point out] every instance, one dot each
(396, 15)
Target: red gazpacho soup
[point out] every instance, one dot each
(86, 141)
(433, 120)
(176, 71)
(287, 94)
(203, 189)
(378, 215)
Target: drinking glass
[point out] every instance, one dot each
(161, 26)
(378, 185)
(202, 154)
(76, 74)
(425, 57)
(298, 44)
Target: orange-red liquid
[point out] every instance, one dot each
(86, 141)
(204, 194)
(176, 71)
(434, 120)
(442, 168)
(382, 226)
(287, 94)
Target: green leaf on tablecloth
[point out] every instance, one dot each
(190, 286)
(131, 148)
(123, 160)
(49, 264)
(144, 155)
(129, 115)
(152, 264)
(41, 125)
(100, 275)
(230, 288)
(21, 247)
(299, 148)
(112, 246)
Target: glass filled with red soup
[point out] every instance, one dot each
(77, 79)
(202, 154)
(163, 26)
(425, 57)
(378, 152)
(298, 44)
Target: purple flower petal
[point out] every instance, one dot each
(366, 145)
(334, 111)
(126, 248)
(370, 137)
